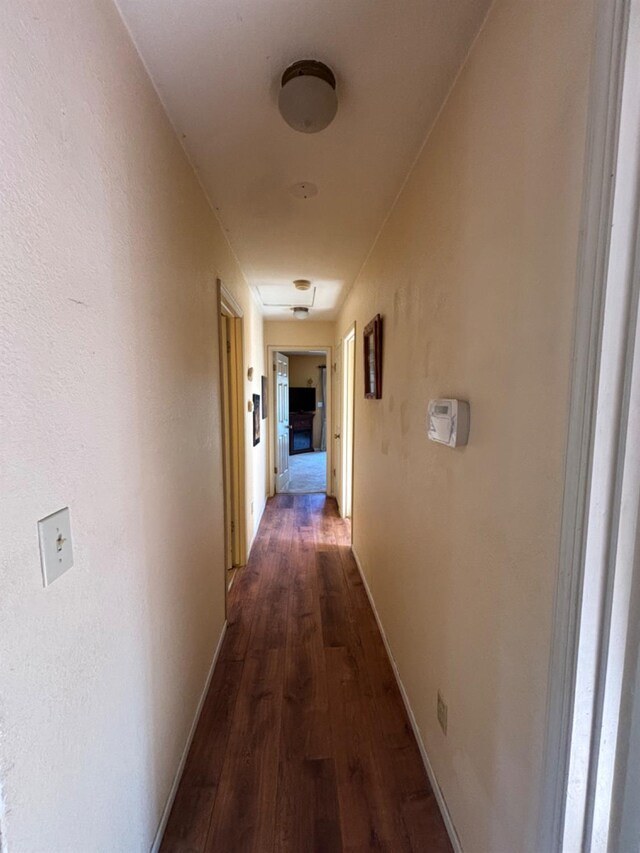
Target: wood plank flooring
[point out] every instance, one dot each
(303, 743)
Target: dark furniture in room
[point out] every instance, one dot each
(301, 432)
(302, 399)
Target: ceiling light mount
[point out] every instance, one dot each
(300, 312)
(302, 284)
(308, 101)
(309, 68)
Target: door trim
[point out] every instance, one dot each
(578, 503)
(349, 335)
(287, 350)
(228, 306)
(282, 430)
(228, 303)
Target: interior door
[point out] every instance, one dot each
(337, 428)
(230, 348)
(348, 380)
(282, 422)
(225, 350)
(234, 347)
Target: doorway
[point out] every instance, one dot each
(301, 415)
(282, 422)
(231, 378)
(593, 726)
(348, 406)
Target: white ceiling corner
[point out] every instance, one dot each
(284, 296)
(217, 65)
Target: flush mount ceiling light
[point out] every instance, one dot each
(302, 284)
(300, 313)
(308, 101)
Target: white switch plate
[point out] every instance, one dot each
(56, 553)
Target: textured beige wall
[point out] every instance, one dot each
(254, 356)
(109, 359)
(299, 333)
(474, 274)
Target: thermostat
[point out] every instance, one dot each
(448, 422)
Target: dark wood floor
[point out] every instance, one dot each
(303, 743)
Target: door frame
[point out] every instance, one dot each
(280, 359)
(271, 456)
(582, 682)
(347, 437)
(233, 441)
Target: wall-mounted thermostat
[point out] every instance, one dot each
(448, 422)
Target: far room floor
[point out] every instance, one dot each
(308, 472)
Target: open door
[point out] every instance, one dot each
(282, 421)
(338, 482)
(348, 393)
(231, 377)
(227, 451)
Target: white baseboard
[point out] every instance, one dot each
(446, 816)
(183, 760)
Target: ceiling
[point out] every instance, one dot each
(216, 65)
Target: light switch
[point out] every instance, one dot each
(56, 554)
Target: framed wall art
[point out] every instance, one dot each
(265, 401)
(256, 419)
(373, 359)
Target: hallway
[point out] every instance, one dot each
(303, 743)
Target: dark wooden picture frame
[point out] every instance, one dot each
(373, 359)
(256, 419)
(265, 401)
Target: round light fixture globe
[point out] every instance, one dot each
(302, 284)
(308, 101)
(300, 313)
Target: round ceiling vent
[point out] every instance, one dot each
(302, 284)
(300, 313)
(308, 101)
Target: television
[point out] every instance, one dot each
(302, 399)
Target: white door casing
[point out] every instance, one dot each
(330, 402)
(281, 369)
(336, 432)
(348, 382)
(584, 790)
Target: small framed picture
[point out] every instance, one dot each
(265, 401)
(256, 419)
(373, 359)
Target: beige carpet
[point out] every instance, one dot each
(308, 472)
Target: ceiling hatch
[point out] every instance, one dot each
(285, 296)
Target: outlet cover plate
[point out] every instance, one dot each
(56, 552)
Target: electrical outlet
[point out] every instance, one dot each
(442, 712)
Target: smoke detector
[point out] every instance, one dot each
(300, 313)
(302, 284)
(308, 101)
